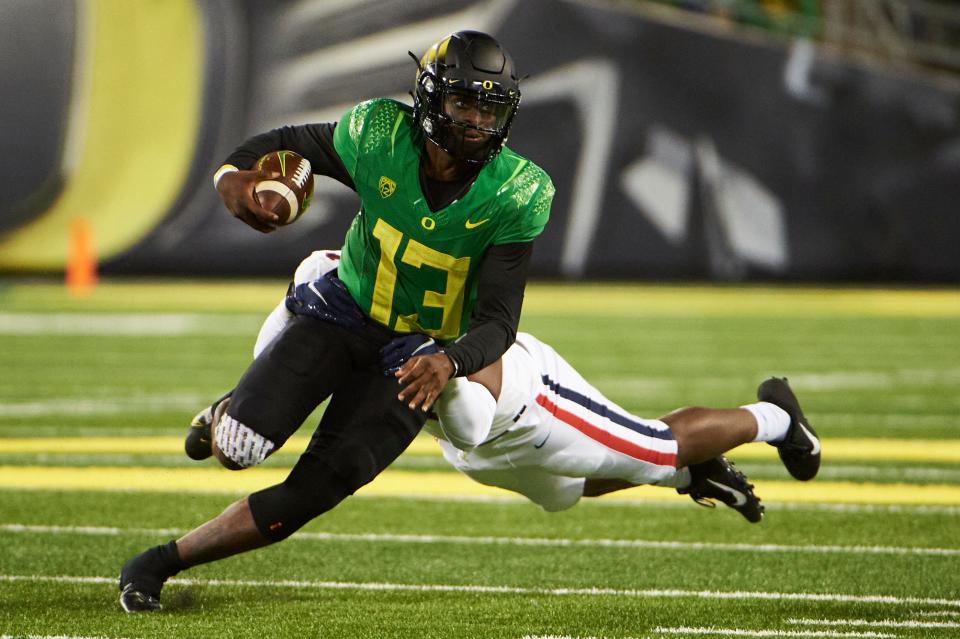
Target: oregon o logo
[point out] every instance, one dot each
(487, 85)
(428, 223)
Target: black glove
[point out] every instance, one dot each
(399, 350)
(327, 299)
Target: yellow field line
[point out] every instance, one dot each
(631, 300)
(652, 300)
(394, 483)
(150, 445)
(909, 450)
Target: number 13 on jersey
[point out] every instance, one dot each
(418, 255)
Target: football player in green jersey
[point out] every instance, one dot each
(440, 246)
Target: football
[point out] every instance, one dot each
(288, 195)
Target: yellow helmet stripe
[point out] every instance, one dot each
(436, 53)
(442, 50)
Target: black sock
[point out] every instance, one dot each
(151, 568)
(170, 558)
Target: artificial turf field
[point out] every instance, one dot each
(95, 394)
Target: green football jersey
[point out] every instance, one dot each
(412, 269)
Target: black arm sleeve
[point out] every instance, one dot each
(493, 325)
(312, 141)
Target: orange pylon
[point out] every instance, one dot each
(81, 259)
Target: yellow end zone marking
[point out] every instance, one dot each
(608, 300)
(154, 445)
(397, 483)
(646, 300)
(908, 450)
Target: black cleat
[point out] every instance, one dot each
(800, 449)
(132, 600)
(142, 578)
(718, 479)
(198, 441)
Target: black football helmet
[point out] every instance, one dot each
(466, 95)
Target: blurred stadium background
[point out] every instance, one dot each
(759, 187)
(727, 140)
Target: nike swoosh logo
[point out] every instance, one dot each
(540, 445)
(318, 293)
(812, 438)
(473, 225)
(426, 344)
(739, 498)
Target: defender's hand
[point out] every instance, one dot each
(398, 351)
(326, 299)
(422, 378)
(236, 191)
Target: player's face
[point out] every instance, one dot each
(467, 109)
(474, 123)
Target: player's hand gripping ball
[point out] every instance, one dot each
(288, 194)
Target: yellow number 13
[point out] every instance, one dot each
(417, 255)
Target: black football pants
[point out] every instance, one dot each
(363, 429)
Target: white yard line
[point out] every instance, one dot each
(88, 530)
(128, 324)
(632, 543)
(102, 406)
(913, 509)
(738, 632)
(53, 637)
(506, 541)
(883, 623)
(737, 595)
(838, 380)
(832, 380)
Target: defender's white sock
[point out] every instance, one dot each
(680, 479)
(772, 421)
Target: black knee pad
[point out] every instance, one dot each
(354, 461)
(362, 431)
(311, 489)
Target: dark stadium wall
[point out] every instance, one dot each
(678, 152)
(35, 106)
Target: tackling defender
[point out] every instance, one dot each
(441, 245)
(530, 423)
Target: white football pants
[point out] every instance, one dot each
(552, 430)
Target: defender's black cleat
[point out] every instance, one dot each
(143, 576)
(800, 449)
(198, 441)
(718, 479)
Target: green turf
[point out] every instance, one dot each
(885, 372)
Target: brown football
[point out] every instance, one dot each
(288, 195)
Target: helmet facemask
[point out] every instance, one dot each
(464, 110)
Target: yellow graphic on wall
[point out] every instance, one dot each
(135, 114)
